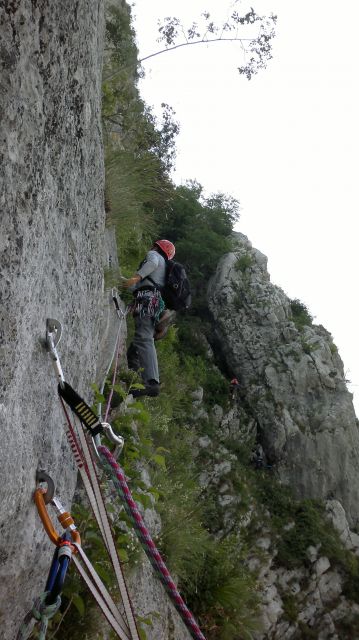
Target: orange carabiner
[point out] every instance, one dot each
(64, 518)
(45, 518)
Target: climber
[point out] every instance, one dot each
(233, 389)
(151, 317)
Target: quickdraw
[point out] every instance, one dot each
(71, 397)
(67, 548)
(49, 602)
(87, 468)
(85, 460)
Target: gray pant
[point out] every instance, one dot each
(145, 345)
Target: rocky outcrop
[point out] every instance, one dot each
(292, 380)
(306, 599)
(51, 244)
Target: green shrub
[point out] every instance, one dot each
(244, 263)
(226, 598)
(333, 348)
(290, 607)
(300, 313)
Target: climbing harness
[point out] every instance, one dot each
(147, 303)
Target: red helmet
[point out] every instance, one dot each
(167, 247)
(234, 381)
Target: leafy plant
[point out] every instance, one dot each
(244, 262)
(300, 313)
(290, 606)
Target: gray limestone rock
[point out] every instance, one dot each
(51, 244)
(292, 380)
(151, 602)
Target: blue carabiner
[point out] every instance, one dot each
(58, 570)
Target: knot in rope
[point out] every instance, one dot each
(42, 613)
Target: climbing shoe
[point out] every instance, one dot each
(152, 389)
(163, 324)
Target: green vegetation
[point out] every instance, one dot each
(299, 524)
(244, 262)
(300, 313)
(205, 553)
(290, 606)
(333, 348)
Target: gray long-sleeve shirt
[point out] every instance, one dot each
(154, 265)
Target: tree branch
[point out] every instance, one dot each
(187, 44)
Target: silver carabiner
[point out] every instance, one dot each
(118, 441)
(53, 336)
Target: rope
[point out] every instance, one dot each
(101, 595)
(147, 303)
(119, 479)
(116, 354)
(81, 465)
(118, 350)
(41, 613)
(92, 487)
(87, 468)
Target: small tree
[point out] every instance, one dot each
(257, 49)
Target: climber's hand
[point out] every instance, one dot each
(126, 283)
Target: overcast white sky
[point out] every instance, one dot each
(285, 144)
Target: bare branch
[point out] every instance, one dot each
(187, 44)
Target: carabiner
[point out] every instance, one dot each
(58, 570)
(53, 335)
(64, 518)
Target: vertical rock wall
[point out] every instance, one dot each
(52, 221)
(292, 380)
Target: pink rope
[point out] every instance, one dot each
(149, 546)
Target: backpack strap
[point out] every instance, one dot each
(156, 285)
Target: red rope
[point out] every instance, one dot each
(149, 546)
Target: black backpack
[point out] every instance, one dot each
(177, 292)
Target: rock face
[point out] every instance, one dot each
(306, 601)
(292, 380)
(151, 602)
(52, 223)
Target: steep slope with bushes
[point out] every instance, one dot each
(235, 559)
